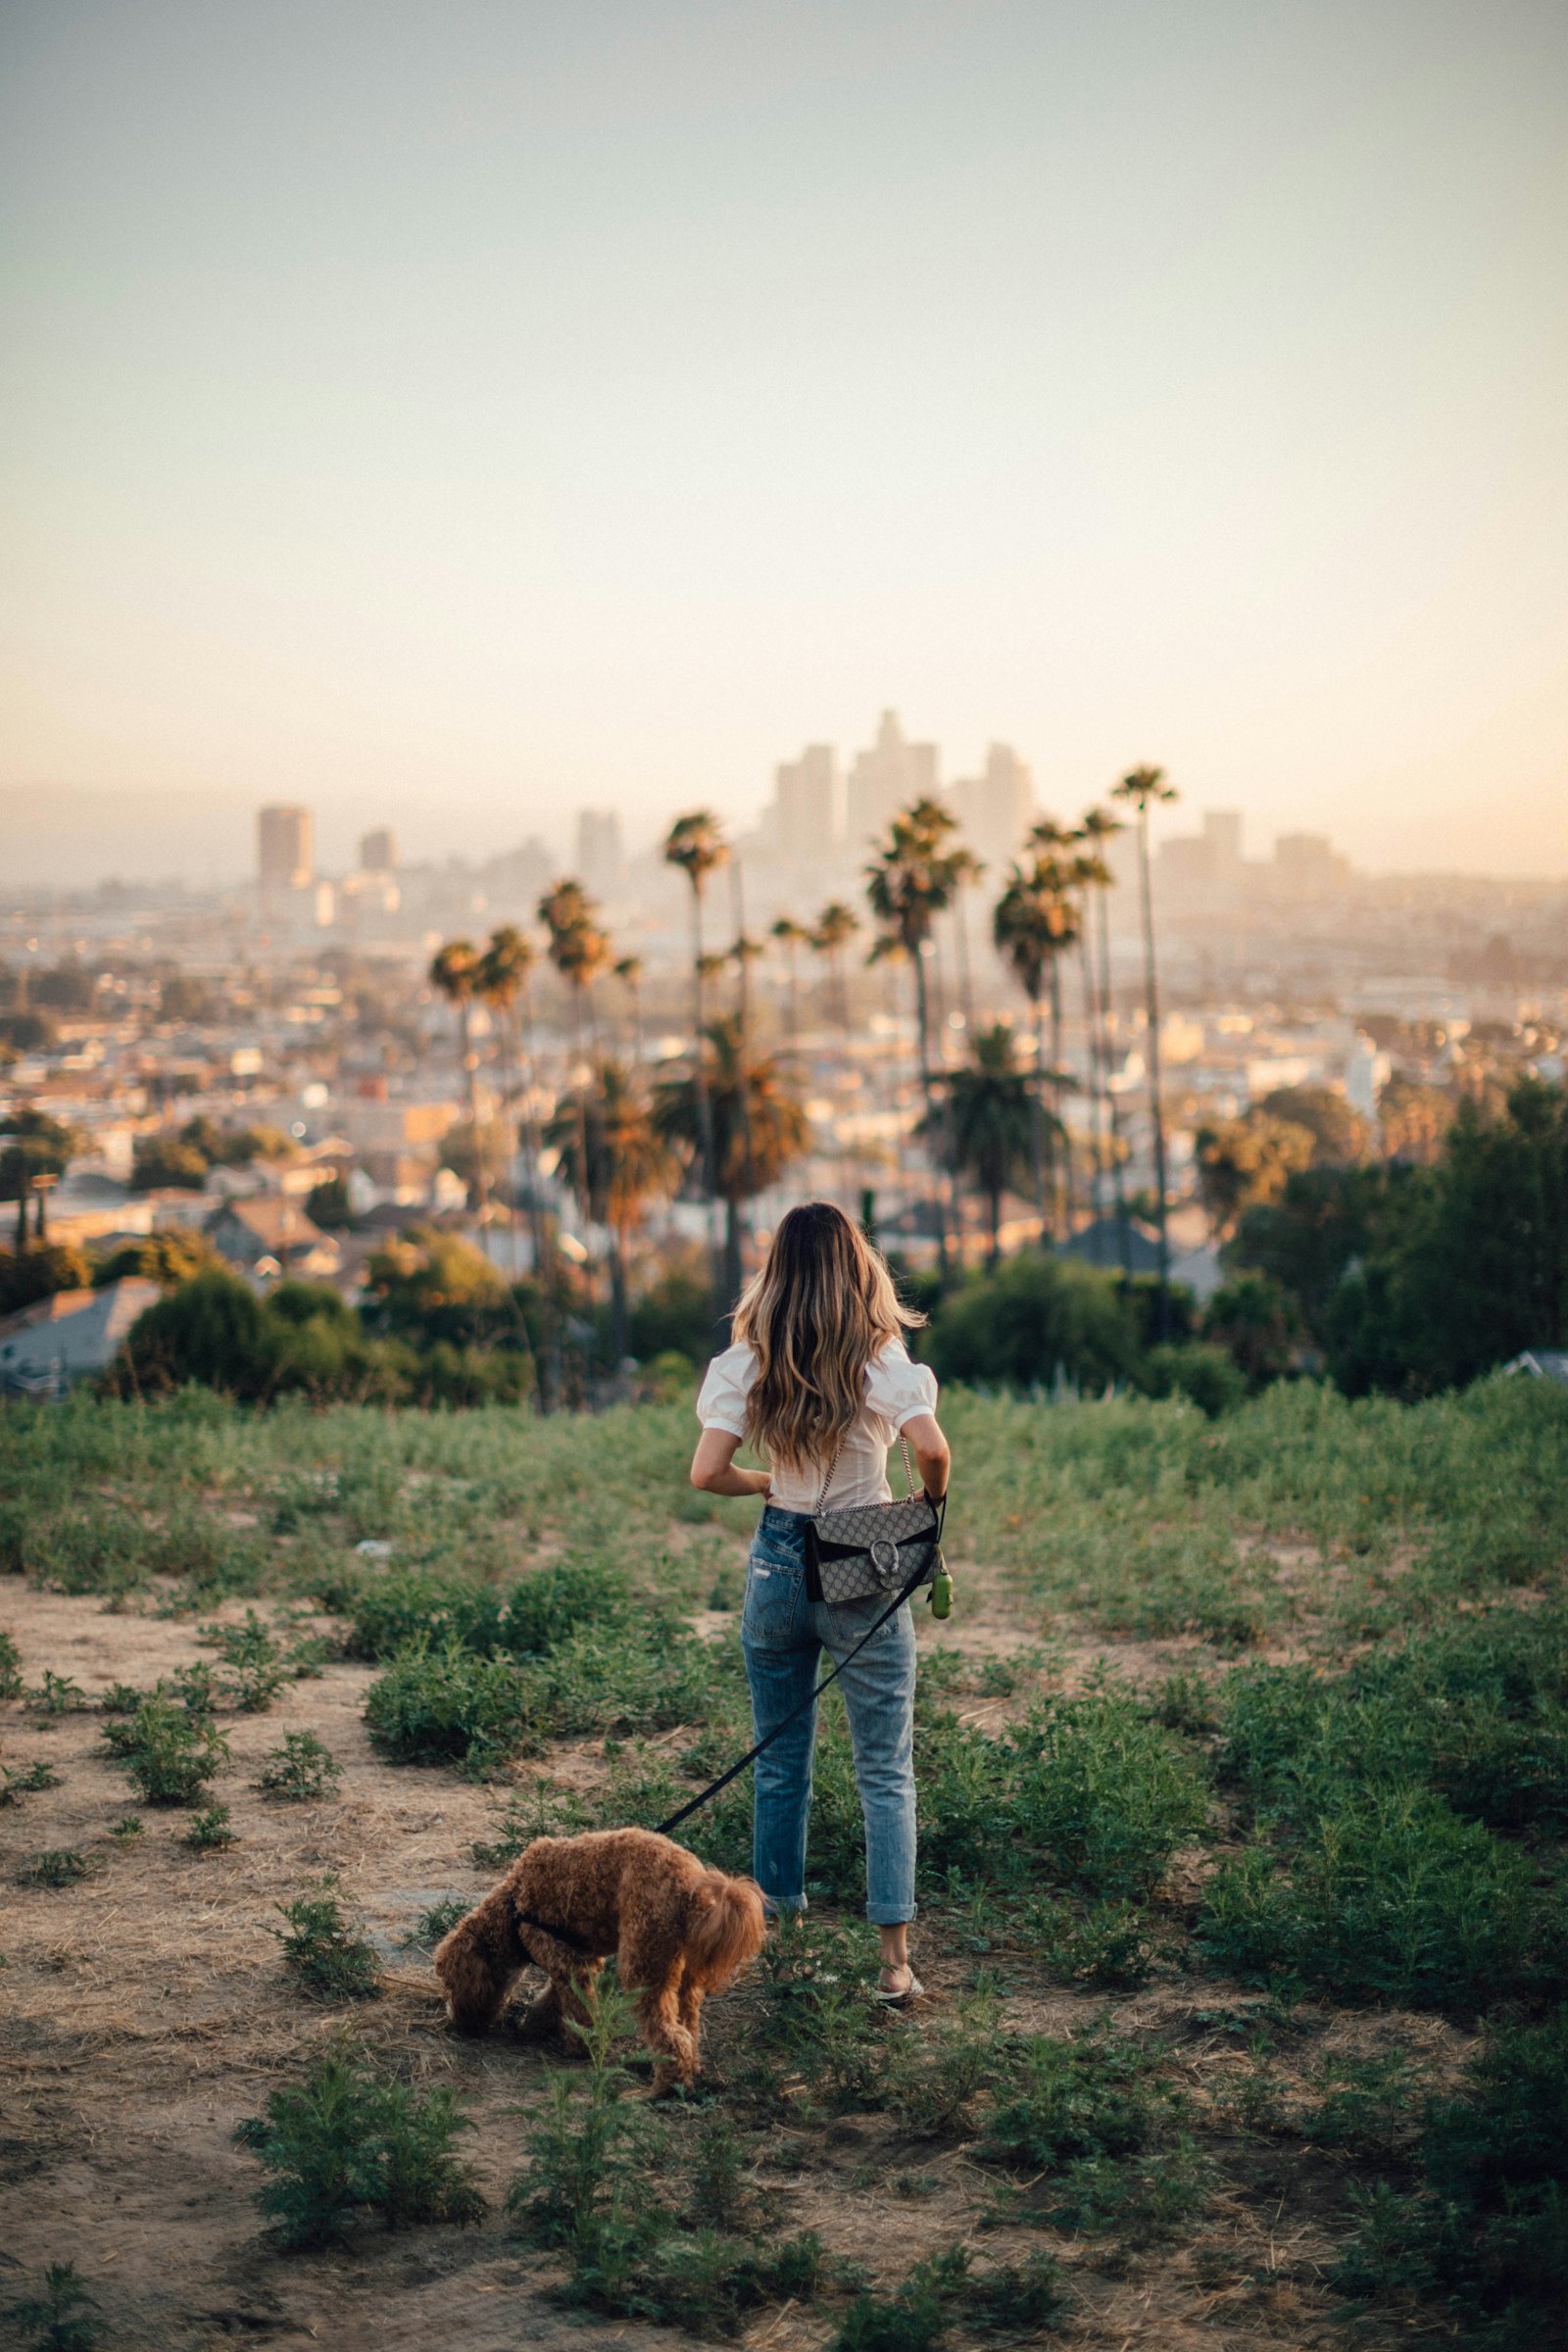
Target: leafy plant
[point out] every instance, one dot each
(168, 1752)
(209, 1832)
(301, 1768)
(58, 1866)
(24, 1779)
(1108, 1945)
(915, 2317)
(259, 1668)
(11, 1681)
(324, 1955)
(440, 1919)
(1066, 2101)
(57, 1695)
(58, 2319)
(344, 2141)
(128, 1828)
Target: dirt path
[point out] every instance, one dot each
(146, 2013)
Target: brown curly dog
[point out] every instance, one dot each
(678, 1930)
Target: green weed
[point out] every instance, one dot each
(10, 1678)
(60, 1866)
(128, 1828)
(209, 1832)
(439, 1920)
(1109, 1946)
(24, 1779)
(167, 1751)
(1085, 2099)
(301, 1768)
(323, 1954)
(59, 2320)
(57, 1694)
(344, 2141)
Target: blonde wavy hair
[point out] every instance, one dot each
(821, 1310)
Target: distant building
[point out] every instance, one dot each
(1306, 866)
(601, 856)
(283, 854)
(378, 851)
(272, 1236)
(886, 778)
(808, 805)
(1206, 860)
(996, 809)
(71, 1336)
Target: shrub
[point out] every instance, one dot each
(209, 1832)
(915, 2317)
(301, 1768)
(24, 1779)
(449, 1705)
(1205, 1375)
(1102, 1793)
(440, 1920)
(1031, 1318)
(167, 1753)
(1141, 2201)
(1067, 2100)
(60, 1866)
(324, 1955)
(1390, 1896)
(11, 1684)
(57, 1694)
(1108, 1945)
(260, 1668)
(1018, 2298)
(58, 2319)
(343, 2143)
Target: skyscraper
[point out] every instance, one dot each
(997, 808)
(601, 858)
(808, 805)
(283, 860)
(379, 851)
(886, 778)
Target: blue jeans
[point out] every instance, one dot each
(783, 1635)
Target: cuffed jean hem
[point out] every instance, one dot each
(795, 1905)
(892, 1919)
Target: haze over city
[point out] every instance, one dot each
(456, 417)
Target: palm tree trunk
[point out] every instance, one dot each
(732, 1254)
(1155, 1110)
(1063, 1185)
(22, 1189)
(995, 1258)
(922, 1024)
(1085, 967)
(1117, 1178)
(1040, 1067)
(470, 1064)
(505, 1016)
(620, 1320)
(705, 1113)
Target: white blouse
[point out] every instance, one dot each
(896, 1391)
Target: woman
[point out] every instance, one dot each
(820, 1382)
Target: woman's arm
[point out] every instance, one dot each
(931, 1455)
(713, 1471)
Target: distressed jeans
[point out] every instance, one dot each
(783, 1635)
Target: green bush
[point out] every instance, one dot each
(301, 1768)
(1390, 1896)
(166, 1750)
(11, 1681)
(452, 1706)
(1033, 1317)
(211, 1833)
(58, 2319)
(1205, 1375)
(323, 1953)
(1088, 2097)
(344, 2143)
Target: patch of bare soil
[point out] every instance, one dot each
(146, 2013)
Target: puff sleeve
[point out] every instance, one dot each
(897, 1389)
(722, 1401)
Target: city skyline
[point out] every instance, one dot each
(578, 413)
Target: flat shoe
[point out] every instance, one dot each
(913, 1992)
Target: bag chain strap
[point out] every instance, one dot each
(832, 1468)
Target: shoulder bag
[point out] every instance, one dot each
(853, 1554)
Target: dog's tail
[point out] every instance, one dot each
(728, 1929)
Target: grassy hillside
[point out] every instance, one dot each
(1244, 1777)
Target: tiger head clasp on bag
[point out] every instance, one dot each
(885, 1559)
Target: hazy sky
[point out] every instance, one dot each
(491, 408)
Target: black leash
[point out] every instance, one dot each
(664, 1827)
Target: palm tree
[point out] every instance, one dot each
(992, 1113)
(629, 972)
(1032, 924)
(1100, 828)
(792, 937)
(1144, 787)
(503, 976)
(454, 971)
(969, 871)
(578, 948)
(1088, 871)
(757, 1125)
(696, 844)
(836, 926)
(908, 885)
(619, 1164)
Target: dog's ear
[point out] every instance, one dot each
(477, 1962)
